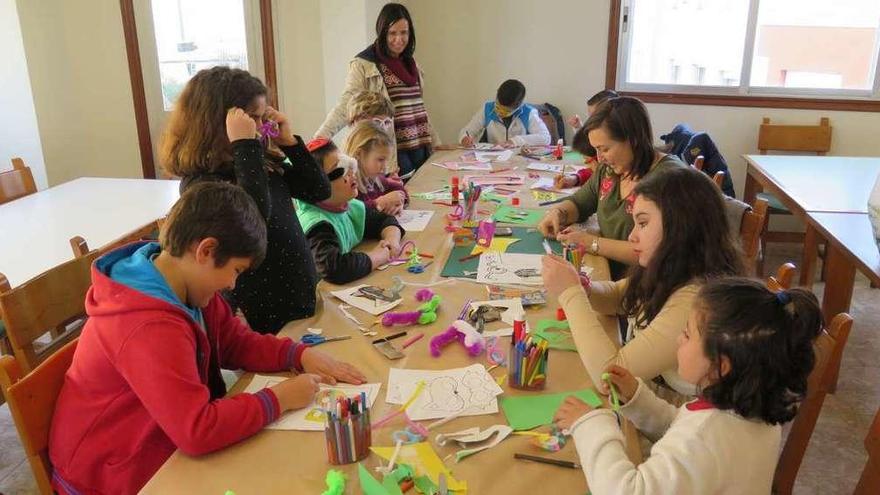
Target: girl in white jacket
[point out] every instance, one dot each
(749, 351)
(507, 120)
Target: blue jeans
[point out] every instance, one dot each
(410, 160)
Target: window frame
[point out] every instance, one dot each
(743, 95)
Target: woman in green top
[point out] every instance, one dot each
(620, 130)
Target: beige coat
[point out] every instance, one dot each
(363, 75)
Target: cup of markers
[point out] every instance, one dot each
(347, 430)
(527, 366)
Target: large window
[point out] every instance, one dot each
(749, 48)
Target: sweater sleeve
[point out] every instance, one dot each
(474, 128)
(586, 199)
(376, 221)
(355, 82)
(332, 264)
(250, 175)
(651, 414)
(242, 348)
(583, 175)
(304, 177)
(651, 352)
(536, 135)
(395, 185)
(681, 462)
(158, 361)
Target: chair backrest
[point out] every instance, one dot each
(80, 247)
(810, 138)
(32, 399)
(53, 300)
(751, 230)
(17, 182)
(821, 381)
(783, 278)
(869, 483)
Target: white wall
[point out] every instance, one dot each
(300, 63)
(20, 136)
(81, 91)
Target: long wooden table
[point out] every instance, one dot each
(295, 462)
(830, 194)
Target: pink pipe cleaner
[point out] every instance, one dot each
(269, 129)
(407, 318)
(454, 333)
(424, 295)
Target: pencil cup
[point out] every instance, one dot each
(527, 367)
(348, 438)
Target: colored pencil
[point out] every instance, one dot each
(547, 460)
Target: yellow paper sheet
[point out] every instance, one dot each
(425, 461)
(544, 195)
(498, 245)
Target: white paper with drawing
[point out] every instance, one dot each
(414, 220)
(311, 418)
(471, 389)
(507, 268)
(356, 298)
(546, 184)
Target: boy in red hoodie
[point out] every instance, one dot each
(145, 379)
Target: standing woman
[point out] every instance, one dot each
(387, 66)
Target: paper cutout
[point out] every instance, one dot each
(556, 168)
(478, 166)
(311, 417)
(470, 391)
(546, 184)
(422, 457)
(541, 195)
(370, 486)
(497, 268)
(494, 434)
(493, 156)
(498, 245)
(557, 333)
(528, 411)
(513, 307)
(518, 216)
(414, 220)
(495, 179)
(504, 332)
(376, 307)
(433, 196)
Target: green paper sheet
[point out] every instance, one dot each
(370, 486)
(557, 333)
(529, 411)
(529, 243)
(508, 214)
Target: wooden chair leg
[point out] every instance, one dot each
(808, 262)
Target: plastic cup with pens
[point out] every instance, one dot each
(527, 366)
(347, 430)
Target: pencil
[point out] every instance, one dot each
(469, 257)
(547, 460)
(412, 340)
(389, 337)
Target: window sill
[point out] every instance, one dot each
(757, 101)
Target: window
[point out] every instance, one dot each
(748, 48)
(192, 35)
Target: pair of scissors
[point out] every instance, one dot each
(313, 340)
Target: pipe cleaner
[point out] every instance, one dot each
(615, 400)
(269, 129)
(424, 315)
(460, 331)
(335, 483)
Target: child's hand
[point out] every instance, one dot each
(575, 121)
(380, 255)
(329, 369)
(467, 142)
(558, 274)
(239, 125)
(296, 392)
(562, 181)
(393, 246)
(570, 411)
(285, 133)
(390, 203)
(625, 382)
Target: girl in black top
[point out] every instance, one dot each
(223, 130)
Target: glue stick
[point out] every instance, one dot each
(486, 232)
(455, 189)
(558, 152)
(519, 327)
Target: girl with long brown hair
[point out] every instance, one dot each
(223, 130)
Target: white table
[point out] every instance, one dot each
(35, 230)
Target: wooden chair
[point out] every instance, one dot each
(17, 182)
(750, 234)
(869, 483)
(790, 138)
(783, 278)
(80, 247)
(53, 300)
(829, 344)
(32, 399)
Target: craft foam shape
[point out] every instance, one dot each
(335, 482)
(460, 331)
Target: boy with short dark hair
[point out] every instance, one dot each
(507, 120)
(145, 378)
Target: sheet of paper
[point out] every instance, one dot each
(517, 215)
(475, 165)
(311, 417)
(546, 184)
(557, 333)
(540, 195)
(374, 307)
(498, 245)
(525, 412)
(510, 268)
(471, 389)
(495, 180)
(556, 168)
(493, 156)
(513, 307)
(425, 461)
(414, 220)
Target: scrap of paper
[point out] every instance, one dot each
(528, 411)
(414, 220)
(498, 245)
(541, 195)
(374, 307)
(557, 333)
(422, 457)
